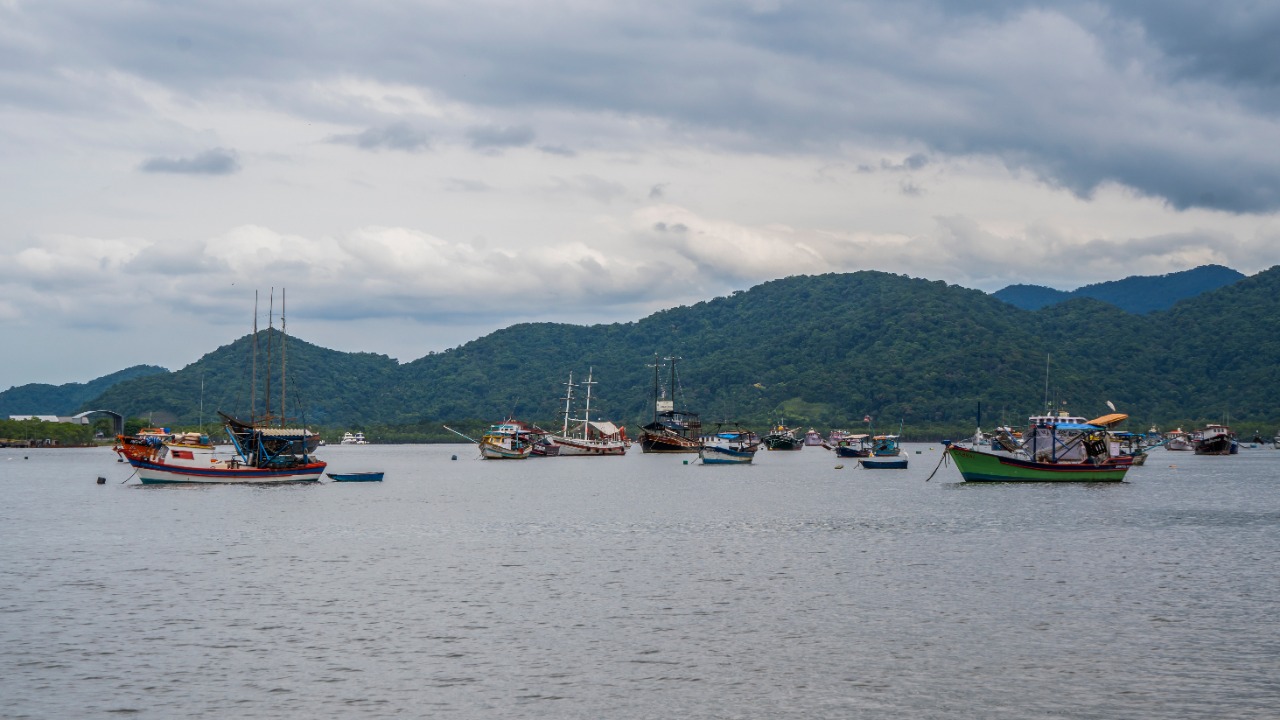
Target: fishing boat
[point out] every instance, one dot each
(978, 466)
(370, 476)
(671, 431)
(1057, 447)
(857, 445)
(730, 447)
(589, 437)
(266, 451)
(1215, 440)
(1178, 440)
(144, 444)
(508, 440)
(353, 439)
(884, 462)
(782, 437)
(813, 438)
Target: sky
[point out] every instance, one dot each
(416, 175)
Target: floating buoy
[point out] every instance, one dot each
(839, 467)
(455, 457)
(102, 480)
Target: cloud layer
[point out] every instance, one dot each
(463, 166)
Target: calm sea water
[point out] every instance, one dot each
(639, 587)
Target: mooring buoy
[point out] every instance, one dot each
(102, 480)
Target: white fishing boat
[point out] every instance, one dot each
(265, 450)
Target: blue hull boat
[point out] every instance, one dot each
(356, 477)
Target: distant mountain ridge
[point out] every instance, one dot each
(820, 350)
(44, 399)
(1137, 294)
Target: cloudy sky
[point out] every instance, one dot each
(418, 174)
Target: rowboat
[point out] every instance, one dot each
(370, 476)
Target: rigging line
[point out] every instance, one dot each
(940, 461)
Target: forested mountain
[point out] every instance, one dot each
(43, 399)
(821, 350)
(1139, 294)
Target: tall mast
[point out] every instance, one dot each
(586, 413)
(655, 367)
(253, 374)
(568, 400)
(672, 359)
(1047, 406)
(284, 358)
(271, 309)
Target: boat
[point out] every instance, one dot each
(146, 443)
(854, 446)
(266, 451)
(1057, 447)
(813, 438)
(590, 437)
(834, 438)
(978, 466)
(730, 447)
(782, 437)
(371, 476)
(884, 462)
(353, 439)
(508, 440)
(1215, 440)
(1178, 440)
(672, 431)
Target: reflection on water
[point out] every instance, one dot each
(638, 587)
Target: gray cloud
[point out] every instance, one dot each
(395, 136)
(495, 137)
(1173, 99)
(218, 161)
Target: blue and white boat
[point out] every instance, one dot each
(735, 447)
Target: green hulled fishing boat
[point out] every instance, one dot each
(977, 466)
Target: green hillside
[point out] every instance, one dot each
(818, 350)
(43, 399)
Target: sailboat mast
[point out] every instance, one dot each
(672, 359)
(284, 358)
(656, 365)
(1047, 406)
(253, 373)
(586, 413)
(271, 309)
(568, 400)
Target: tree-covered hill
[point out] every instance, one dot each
(43, 399)
(1140, 294)
(821, 350)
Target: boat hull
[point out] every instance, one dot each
(490, 451)
(655, 443)
(713, 455)
(977, 466)
(570, 447)
(154, 473)
(356, 477)
(891, 462)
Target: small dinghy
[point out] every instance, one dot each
(356, 477)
